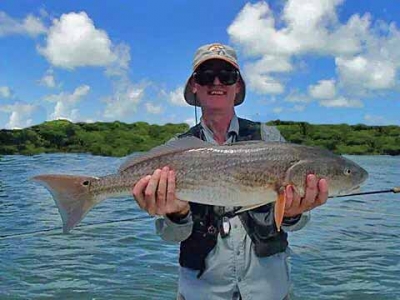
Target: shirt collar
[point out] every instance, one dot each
(233, 130)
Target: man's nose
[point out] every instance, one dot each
(216, 81)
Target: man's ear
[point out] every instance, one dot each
(192, 85)
(239, 86)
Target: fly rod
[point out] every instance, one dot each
(393, 190)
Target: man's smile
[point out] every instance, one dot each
(217, 93)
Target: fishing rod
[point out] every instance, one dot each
(231, 214)
(393, 190)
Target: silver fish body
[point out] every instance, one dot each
(243, 174)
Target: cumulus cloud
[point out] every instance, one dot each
(65, 107)
(297, 97)
(20, 114)
(153, 109)
(48, 79)
(377, 120)
(31, 25)
(257, 74)
(176, 97)
(324, 89)
(341, 102)
(277, 110)
(5, 92)
(74, 41)
(368, 74)
(123, 103)
(364, 50)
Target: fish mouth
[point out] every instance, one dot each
(354, 189)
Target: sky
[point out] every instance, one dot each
(318, 61)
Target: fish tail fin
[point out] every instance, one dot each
(279, 210)
(72, 196)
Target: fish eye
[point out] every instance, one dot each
(86, 182)
(347, 171)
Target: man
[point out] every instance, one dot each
(244, 257)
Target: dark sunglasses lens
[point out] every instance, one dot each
(228, 77)
(207, 77)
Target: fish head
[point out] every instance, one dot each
(342, 174)
(347, 176)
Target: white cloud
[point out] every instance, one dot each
(124, 101)
(299, 108)
(377, 120)
(48, 79)
(5, 92)
(20, 114)
(368, 74)
(296, 97)
(31, 26)
(365, 51)
(324, 89)
(153, 109)
(176, 97)
(341, 102)
(73, 41)
(257, 74)
(277, 110)
(191, 122)
(66, 102)
(120, 65)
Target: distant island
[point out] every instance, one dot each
(120, 139)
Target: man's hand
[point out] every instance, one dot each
(316, 194)
(156, 194)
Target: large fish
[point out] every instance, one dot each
(246, 174)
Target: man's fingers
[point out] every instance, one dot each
(150, 192)
(322, 192)
(138, 191)
(288, 197)
(171, 188)
(162, 191)
(311, 192)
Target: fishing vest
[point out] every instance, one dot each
(258, 223)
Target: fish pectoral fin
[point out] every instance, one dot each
(279, 210)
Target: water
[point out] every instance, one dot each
(349, 250)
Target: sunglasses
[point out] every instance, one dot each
(207, 77)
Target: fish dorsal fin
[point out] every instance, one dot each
(170, 147)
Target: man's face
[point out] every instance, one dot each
(215, 95)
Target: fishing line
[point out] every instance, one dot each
(31, 233)
(55, 230)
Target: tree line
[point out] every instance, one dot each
(120, 139)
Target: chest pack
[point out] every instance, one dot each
(258, 223)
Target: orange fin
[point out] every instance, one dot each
(279, 210)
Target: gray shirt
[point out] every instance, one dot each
(232, 267)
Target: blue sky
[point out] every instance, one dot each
(320, 61)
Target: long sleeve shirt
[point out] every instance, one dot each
(232, 268)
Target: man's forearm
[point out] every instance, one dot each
(174, 229)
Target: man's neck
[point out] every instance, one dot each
(218, 123)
